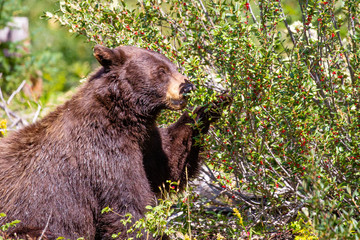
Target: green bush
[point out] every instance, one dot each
(290, 142)
(155, 221)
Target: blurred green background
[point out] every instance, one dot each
(61, 59)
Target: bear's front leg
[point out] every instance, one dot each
(173, 150)
(123, 188)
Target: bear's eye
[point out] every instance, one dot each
(162, 71)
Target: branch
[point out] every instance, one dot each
(11, 114)
(286, 24)
(15, 92)
(346, 56)
(46, 226)
(36, 114)
(206, 13)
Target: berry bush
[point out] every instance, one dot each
(287, 151)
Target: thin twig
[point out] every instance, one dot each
(345, 53)
(37, 113)
(15, 92)
(4, 105)
(252, 14)
(46, 226)
(11, 115)
(304, 20)
(206, 13)
(286, 24)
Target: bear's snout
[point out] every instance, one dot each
(187, 87)
(176, 94)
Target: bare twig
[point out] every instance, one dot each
(3, 106)
(206, 13)
(252, 14)
(345, 53)
(286, 24)
(304, 20)
(289, 215)
(36, 114)
(46, 226)
(15, 92)
(11, 115)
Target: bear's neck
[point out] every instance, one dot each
(120, 116)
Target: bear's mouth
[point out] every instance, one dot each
(177, 104)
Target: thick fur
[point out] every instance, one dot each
(100, 149)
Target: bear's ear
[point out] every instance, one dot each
(108, 57)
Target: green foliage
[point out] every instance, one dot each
(5, 227)
(291, 137)
(303, 230)
(155, 221)
(62, 238)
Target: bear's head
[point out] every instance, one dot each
(145, 78)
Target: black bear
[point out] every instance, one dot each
(102, 148)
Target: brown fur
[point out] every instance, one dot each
(100, 149)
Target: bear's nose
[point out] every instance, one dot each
(187, 87)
